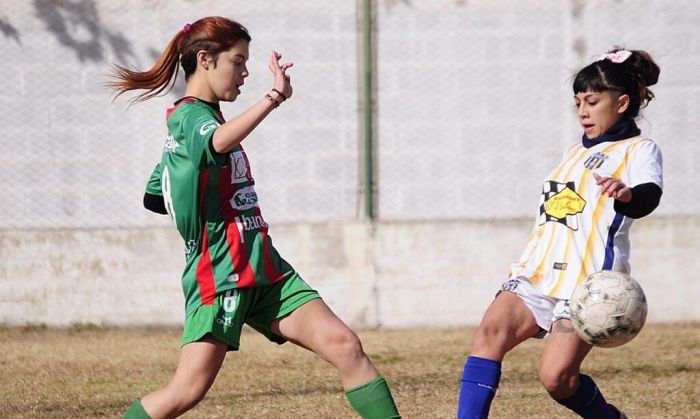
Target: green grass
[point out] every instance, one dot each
(87, 372)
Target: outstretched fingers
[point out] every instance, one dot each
(282, 80)
(273, 63)
(614, 188)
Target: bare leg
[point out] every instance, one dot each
(506, 323)
(315, 327)
(199, 363)
(561, 360)
(559, 372)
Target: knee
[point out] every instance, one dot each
(342, 345)
(559, 383)
(186, 397)
(492, 341)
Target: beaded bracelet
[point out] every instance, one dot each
(275, 103)
(280, 94)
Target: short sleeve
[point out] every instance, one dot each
(199, 126)
(646, 164)
(153, 186)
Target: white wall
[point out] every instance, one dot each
(391, 275)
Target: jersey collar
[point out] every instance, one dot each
(625, 128)
(212, 105)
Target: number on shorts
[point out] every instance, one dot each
(230, 300)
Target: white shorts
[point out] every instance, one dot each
(546, 309)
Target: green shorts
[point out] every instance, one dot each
(257, 307)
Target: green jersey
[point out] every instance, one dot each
(212, 200)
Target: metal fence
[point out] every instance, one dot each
(475, 101)
(472, 104)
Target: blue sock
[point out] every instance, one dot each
(479, 383)
(588, 402)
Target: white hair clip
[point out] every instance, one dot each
(616, 57)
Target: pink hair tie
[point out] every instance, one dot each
(616, 57)
(186, 28)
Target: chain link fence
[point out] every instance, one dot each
(475, 100)
(73, 159)
(473, 104)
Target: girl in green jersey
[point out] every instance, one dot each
(233, 274)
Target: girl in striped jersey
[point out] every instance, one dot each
(233, 274)
(588, 202)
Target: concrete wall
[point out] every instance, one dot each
(390, 275)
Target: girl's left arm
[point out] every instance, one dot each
(642, 199)
(645, 199)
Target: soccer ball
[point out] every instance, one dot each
(608, 309)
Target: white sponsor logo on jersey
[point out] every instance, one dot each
(208, 126)
(561, 203)
(251, 223)
(170, 144)
(244, 223)
(190, 246)
(239, 167)
(244, 199)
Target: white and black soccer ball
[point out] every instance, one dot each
(608, 309)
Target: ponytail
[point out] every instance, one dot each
(212, 34)
(646, 73)
(157, 80)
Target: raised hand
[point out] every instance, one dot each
(615, 188)
(282, 80)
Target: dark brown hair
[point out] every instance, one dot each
(213, 34)
(630, 77)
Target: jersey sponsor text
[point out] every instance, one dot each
(244, 199)
(208, 126)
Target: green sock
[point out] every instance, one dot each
(373, 400)
(136, 411)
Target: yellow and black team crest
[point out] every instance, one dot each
(595, 161)
(560, 203)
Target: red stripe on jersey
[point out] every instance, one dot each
(271, 272)
(273, 275)
(178, 103)
(204, 274)
(235, 231)
(226, 193)
(239, 255)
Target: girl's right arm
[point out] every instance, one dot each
(229, 135)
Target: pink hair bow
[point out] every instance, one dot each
(616, 57)
(186, 28)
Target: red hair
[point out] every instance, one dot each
(213, 34)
